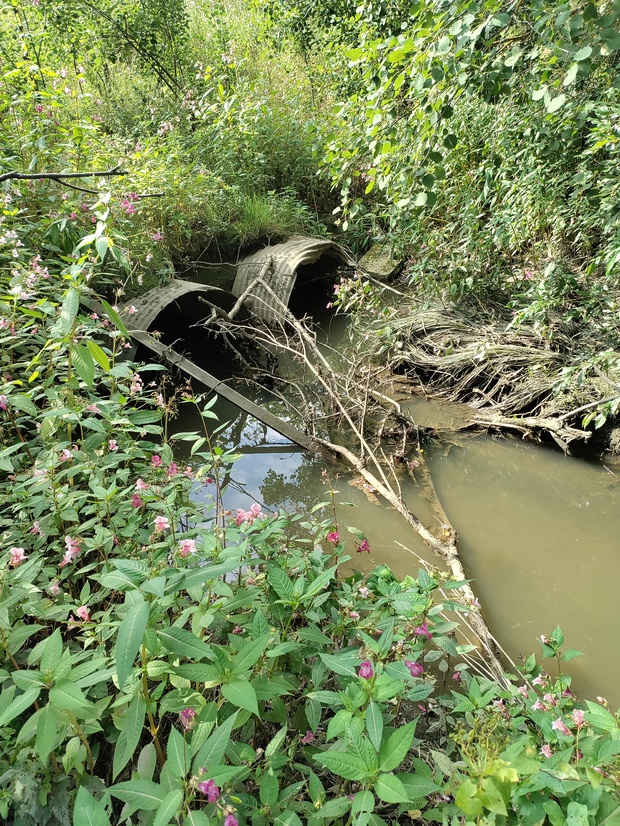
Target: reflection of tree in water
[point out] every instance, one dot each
(299, 490)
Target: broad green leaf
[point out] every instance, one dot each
(19, 704)
(177, 754)
(141, 793)
(211, 753)
(600, 717)
(24, 403)
(48, 725)
(363, 802)
(249, 655)
(69, 310)
(183, 643)
(101, 245)
(198, 576)
(170, 808)
(98, 354)
(344, 664)
(51, 653)
(280, 583)
(374, 724)
(343, 764)
(129, 639)
(390, 789)
(241, 694)
(396, 747)
(196, 818)
(129, 738)
(88, 811)
(319, 583)
(334, 808)
(83, 363)
(269, 789)
(114, 317)
(419, 784)
(65, 694)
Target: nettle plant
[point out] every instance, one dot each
(167, 661)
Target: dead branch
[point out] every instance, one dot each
(59, 176)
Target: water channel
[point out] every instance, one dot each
(538, 531)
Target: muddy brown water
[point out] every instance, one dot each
(538, 531)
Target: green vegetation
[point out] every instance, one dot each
(168, 663)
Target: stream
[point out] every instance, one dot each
(538, 531)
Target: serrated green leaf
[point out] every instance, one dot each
(212, 751)
(390, 789)
(396, 747)
(83, 364)
(249, 654)
(99, 355)
(19, 704)
(65, 694)
(114, 317)
(374, 724)
(182, 643)
(170, 807)
(241, 694)
(129, 638)
(177, 754)
(69, 310)
(129, 738)
(141, 793)
(48, 724)
(87, 811)
(343, 764)
(344, 664)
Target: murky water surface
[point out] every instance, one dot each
(538, 532)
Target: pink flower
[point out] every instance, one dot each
(187, 717)
(549, 698)
(36, 529)
(54, 588)
(558, 725)
(162, 523)
(18, 555)
(112, 445)
(4, 403)
(231, 820)
(354, 615)
(308, 738)
(187, 547)
(140, 485)
(237, 630)
(363, 547)
(523, 691)
(189, 473)
(255, 509)
(156, 236)
(83, 613)
(136, 502)
(415, 669)
(538, 706)
(210, 790)
(457, 676)
(92, 408)
(173, 470)
(578, 718)
(66, 455)
(538, 680)
(156, 461)
(366, 670)
(72, 552)
(422, 631)
(363, 591)
(333, 537)
(131, 310)
(546, 751)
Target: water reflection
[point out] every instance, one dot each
(538, 532)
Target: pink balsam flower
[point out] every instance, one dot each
(558, 725)
(18, 555)
(161, 523)
(366, 670)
